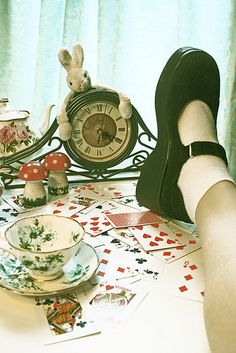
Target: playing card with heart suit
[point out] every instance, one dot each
(129, 219)
(55, 205)
(63, 208)
(93, 218)
(94, 225)
(116, 190)
(87, 190)
(190, 243)
(155, 237)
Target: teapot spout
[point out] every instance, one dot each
(45, 119)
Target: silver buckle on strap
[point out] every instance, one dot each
(190, 151)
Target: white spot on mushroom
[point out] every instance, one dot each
(65, 165)
(29, 165)
(45, 173)
(46, 164)
(35, 171)
(26, 176)
(54, 161)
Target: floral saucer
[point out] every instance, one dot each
(15, 277)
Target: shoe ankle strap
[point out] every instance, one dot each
(199, 148)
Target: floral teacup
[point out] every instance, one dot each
(44, 243)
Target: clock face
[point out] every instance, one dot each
(101, 137)
(99, 133)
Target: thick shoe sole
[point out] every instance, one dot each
(159, 176)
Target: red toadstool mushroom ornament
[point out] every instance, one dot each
(34, 193)
(57, 163)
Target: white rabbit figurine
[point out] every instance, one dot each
(79, 80)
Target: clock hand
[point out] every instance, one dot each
(106, 135)
(100, 131)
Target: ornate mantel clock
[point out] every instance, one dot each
(101, 137)
(103, 144)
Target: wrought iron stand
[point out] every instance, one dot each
(50, 142)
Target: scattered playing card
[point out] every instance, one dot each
(83, 201)
(186, 227)
(7, 213)
(190, 243)
(187, 279)
(144, 266)
(105, 206)
(62, 207)
(125, 264)
(87, 191)
(170, 255)
(124, 235)
(121, 189)
(155, 236)
(64, 318)
(131, 201)
(129, 219)
(16, 201)
(114, 303)
(94, 225)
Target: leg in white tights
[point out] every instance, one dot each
(210, 200)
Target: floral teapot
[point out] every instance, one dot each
(15, 133)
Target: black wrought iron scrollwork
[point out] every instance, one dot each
(60, 144)
(140, 158)
(149, 137)
(128, 168)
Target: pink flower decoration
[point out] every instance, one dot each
(22, 134)
(7, 134)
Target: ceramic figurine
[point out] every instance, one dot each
(78, 80)
(57, 163)
(34, 193)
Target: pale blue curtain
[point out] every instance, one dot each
(126, 44)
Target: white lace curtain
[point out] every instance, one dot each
(126, 44)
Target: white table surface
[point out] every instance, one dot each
(162, 323)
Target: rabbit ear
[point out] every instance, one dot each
(78, 56)
(65, 59)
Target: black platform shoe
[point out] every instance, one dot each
(190, 74)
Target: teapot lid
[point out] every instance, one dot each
(4, 100)
(7, 113)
